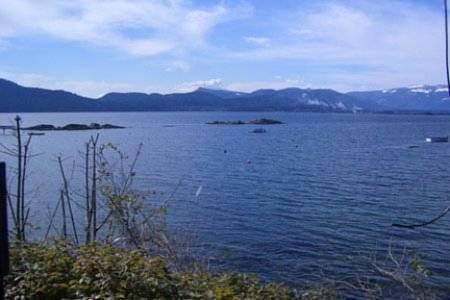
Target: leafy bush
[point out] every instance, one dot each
(61, 271)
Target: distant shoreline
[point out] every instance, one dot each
(428, 100)
(427, 113)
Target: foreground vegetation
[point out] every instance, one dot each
(62, 271)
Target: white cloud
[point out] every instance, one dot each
(178, 65)
(342, 44)
(276, 84)
(336, 23)
(349, 34)
(215, 83)
(259, 41)
(148, 47)
(402, 41)
(164, 25)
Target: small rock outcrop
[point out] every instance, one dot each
(96, 126)
(75, 127)
(72, 127)
(109, 126)
(41, 127)
(264, 122)
(239, 122)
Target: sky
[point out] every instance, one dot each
(92, 47)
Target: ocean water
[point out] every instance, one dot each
(319, 192)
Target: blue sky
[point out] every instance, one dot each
(92, 47)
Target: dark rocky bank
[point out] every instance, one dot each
(72, 127)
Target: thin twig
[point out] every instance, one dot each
(51, 219)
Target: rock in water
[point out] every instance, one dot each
(109, 126)
(259, 130)
(265, 122)
(75, 127)
(41, 127)
(72, 127)
(239, 122)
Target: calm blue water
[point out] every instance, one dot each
(317, 192)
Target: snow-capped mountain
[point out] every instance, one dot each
(420, 97)
(325, 99)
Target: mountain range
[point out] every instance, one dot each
(17, 98)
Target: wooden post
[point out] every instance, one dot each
(4, 245)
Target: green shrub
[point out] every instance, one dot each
(61, 271)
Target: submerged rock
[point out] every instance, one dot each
(259, 130)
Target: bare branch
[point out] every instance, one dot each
(413, 226)
(67, 196)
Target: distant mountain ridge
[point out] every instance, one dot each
(17, 98)
(421, 97)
